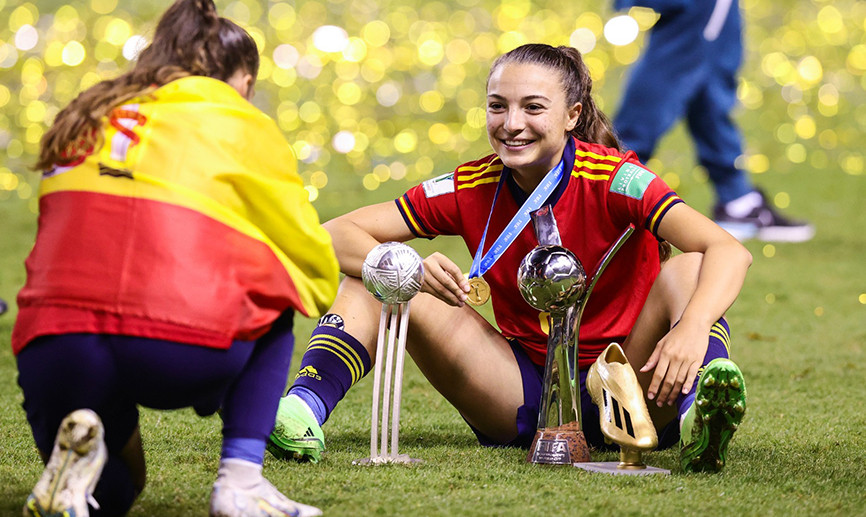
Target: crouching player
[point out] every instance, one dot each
(175, 243)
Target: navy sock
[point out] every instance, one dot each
(333, 363)
(313, 401)
(249, 449)
(718, 346)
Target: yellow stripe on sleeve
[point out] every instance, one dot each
(411, 218)
(661, 210)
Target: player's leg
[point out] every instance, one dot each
(249, 409)
(61, 375)
(662, 82)
(462, 355)
(338, 355)
(714, 406)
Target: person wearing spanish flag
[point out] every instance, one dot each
(175, 244)
(552, 146)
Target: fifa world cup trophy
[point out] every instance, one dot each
(552, 279)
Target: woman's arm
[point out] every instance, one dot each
(356, 233)
(678, 356)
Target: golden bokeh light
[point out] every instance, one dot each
(355, 85)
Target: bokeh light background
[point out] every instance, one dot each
(385, 93)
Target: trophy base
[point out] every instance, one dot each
(561, 445)
(615, 468)
(402, 459)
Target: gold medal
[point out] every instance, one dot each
(479, 291)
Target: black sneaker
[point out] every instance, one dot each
(763, 223)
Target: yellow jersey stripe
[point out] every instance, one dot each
(482, 181)
(470, 168)
(469, 177)
(596, 177)
(594, 166)
(590, 154)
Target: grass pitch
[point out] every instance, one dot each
(798, 327)
(798, 335)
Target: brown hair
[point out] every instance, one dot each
(190, 39)
(592, 126)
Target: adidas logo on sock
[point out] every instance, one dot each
(309, 371)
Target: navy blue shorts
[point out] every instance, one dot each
(113, 375)
(527, 414)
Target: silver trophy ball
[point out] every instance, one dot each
(551, 278)
(393, 272)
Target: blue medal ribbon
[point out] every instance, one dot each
(481, 264)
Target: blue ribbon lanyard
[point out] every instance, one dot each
(481, 264)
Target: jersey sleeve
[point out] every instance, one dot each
(639, 196)
(430, 209)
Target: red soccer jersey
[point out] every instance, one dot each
(606, 191)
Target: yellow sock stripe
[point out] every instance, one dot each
(346, 349)
(342, 358)
(721, 328)
(343, 351)
(722, 336)
(482, 181)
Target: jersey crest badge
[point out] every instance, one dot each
(631, 180)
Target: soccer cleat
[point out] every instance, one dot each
(710, 423)
(623, 415)
(763, 222)
(262, 500)
(67, 483)
(296, 433)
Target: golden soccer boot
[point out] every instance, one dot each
(623, 415)
(710, 423)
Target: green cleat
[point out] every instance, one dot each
(296, 435)
(709, 424)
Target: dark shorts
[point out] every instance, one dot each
(527, 414)
(113, 375)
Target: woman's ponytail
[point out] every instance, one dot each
(190, 39)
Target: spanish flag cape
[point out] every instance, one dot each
(189, 224)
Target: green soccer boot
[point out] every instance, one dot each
(709, 424)
(296, 435)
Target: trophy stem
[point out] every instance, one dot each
(630, 459)
(552, 279)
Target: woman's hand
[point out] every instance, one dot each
(444, 280)
(676, 359)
